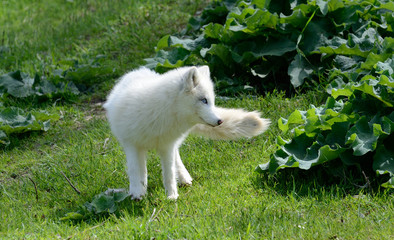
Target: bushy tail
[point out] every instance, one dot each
(237, 123)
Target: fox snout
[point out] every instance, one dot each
(210, 117)
(215, 124)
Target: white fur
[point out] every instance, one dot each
(147, 111)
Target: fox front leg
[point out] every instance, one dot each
(168, 158)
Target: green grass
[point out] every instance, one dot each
(228, 199)
(36, 36)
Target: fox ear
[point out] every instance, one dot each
(204, 70)
(191, 80)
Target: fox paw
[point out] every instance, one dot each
(137, 194)
(136, 199)
(185, 183)
(184, 179)
(173, 196)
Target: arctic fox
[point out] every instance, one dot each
(147, 110)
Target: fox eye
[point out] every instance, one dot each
(204, 100)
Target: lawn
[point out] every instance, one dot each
(46, 175)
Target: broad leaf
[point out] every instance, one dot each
(17, 84)
(14, 120)
(384, 164)
(249, 51)
(299, 69)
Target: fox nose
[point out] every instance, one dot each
(219, 122)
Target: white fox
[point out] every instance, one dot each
(147, 110)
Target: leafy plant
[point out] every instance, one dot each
(85, 75)
(262, 44)
(75, 79)
(265, 44)
(14, 120)
(356, 121)
(105, 202)
(21, 85)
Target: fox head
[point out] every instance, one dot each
(199, 95)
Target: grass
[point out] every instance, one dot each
(42, 34)
(228, 199)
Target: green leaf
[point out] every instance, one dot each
(168, 59)
(15, 120)
(214, 30)
(163, 43)
(336, 137)
(118, 194)
(17, 84)
(301, 152)
(345, 63)
(386, 68)
(385, 53)
(249, 51)
(261, 19)
(384, 164)
(172, 41)
(343, 49)
(72, 216)
(299, 69)
(298, 146)
(297, 117)
(103, 203)
(219, 50)
(335, 92)
(314, 36)
(335, 5)
(366, 41)
(363, 136)
(323, 6)
(3, 138)
(297, 19)
(371, 86)
(20, 85)
(88, 74)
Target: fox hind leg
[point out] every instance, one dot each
(182, 174)
(137, 172)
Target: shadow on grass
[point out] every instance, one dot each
(332, 177)
(18, 139)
